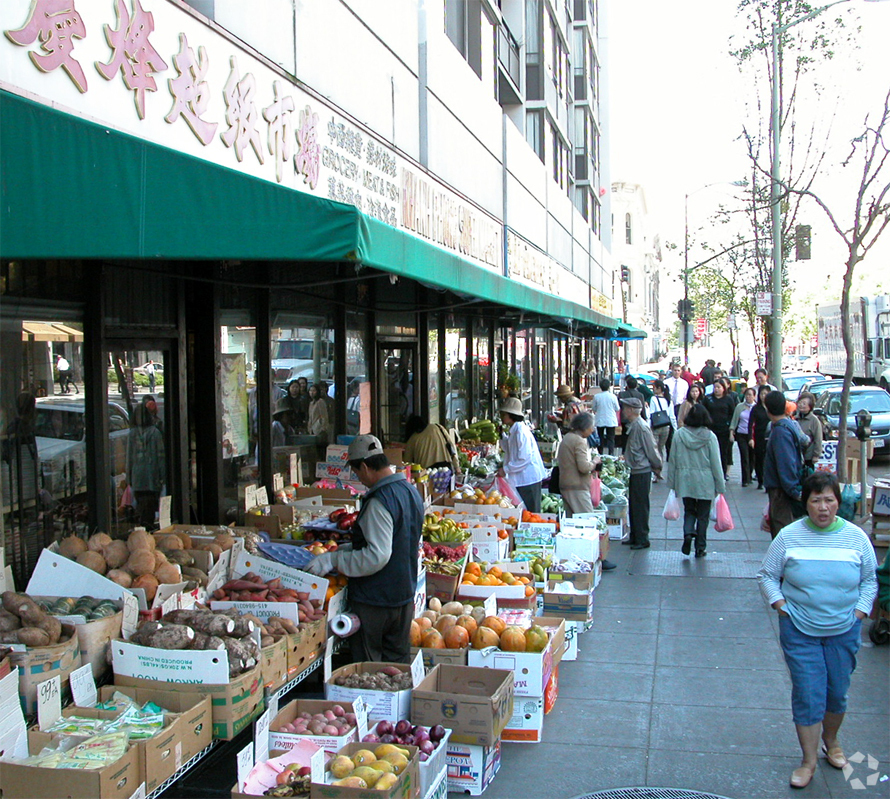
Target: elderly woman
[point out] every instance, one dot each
(575, 465)
(819, 575)
(523, 466)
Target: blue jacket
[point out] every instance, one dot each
(781, 466)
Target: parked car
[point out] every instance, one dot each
(143, 370)
(61, 443)
(793, 382)
(817, 386)
(875, 400)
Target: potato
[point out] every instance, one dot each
(141, 562)
(72, 546)
(139, 539)
(167, 542)
(122, 578)
(116, 554)
(93, 560)
(149, 583)
(98, 542)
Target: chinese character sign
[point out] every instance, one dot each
(241, 114)
(308, 159)
(190, 91)
(56, 24)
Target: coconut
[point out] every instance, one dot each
(119, 576)
(93, 560)
(149, 583)
(72, 546)
(141, 562)
(98, 542)
(168, 574)
(168, 542)
(224, 541)
(139, 539)
(116, 554)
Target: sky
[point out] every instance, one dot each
(677, 103)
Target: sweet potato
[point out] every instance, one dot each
(171, 636)
(32, 615)
(286, 624)
(9, 621)
(34, 636)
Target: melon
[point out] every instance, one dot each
(484, 637)
(457, 637)
(432, 639)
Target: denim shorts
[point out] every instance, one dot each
(820, 667)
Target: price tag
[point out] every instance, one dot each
(164, 511)
(262, 496)
(139, 793)
(272, 704)
(245, 764)
(278, 481)
(360, 708)
(261, 737)
(49, 702)
(170, 604)
(249, 497)
(294, 473)
(130, 618)
(83, 687)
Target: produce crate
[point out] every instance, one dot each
(433, 770)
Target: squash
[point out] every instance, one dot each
(457, 637)
(432, 639)
(484, 637)
(513, 639)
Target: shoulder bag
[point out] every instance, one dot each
(659, 418)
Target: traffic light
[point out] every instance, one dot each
(685, 310)
(802, 242)
(625, 274)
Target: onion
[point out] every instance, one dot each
(403, 727)
(423, 757)
(387, 738)
(409, 740)
(427, 746)
(384, 728)
(420, 736)
(437, 733)
(370, 738)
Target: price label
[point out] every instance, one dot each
(170, 604)
(164, 511)
(294, 474)
(249, 497)
(272, 704)
(261, 737)
(245, 764)
(49, 702)
(130, 618)
(262, 496)
(83, 687)
(278, 481)
(139, 793)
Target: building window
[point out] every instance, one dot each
(628, 229)
(463, 25)
(559, 153)
(534, 132)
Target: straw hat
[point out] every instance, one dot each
(512, 405)
(564, 391)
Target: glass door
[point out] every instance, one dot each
(395, 389)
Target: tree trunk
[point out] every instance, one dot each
(847, 338)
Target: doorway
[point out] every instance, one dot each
(396, 399)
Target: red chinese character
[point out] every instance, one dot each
(190, 92)
(278, 115)
(308, 159)
(56, 23)
(241, 114)
(132, 53)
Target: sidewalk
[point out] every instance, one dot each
(681, 682)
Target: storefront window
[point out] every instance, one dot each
(433, 385)
(358, 384)
(482, 371)
(523, 356)
(456, 409)
(43, 429)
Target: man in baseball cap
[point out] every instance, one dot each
(382, 563)
(641, 454)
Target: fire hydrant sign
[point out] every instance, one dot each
(49, 702)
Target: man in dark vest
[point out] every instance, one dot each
(382, 563)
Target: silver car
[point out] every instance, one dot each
(875, 400)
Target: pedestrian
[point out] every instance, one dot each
(696, 476)
(812, 428)
(695, 394)
(661, 416)
(606, 412)
(146, 469)
(819, 576)
(676, 387)
(319, 422)
(761, 378)
(151, 406)
(382, 564)
(632, 390)
(758, 428)
(571, 407)
(523, 466)
(65, 379)
(687, 376)
(430, 445)
(150, 371)
(707, 372)
(782, 465)
(716, 377)
(643, 459)
(282, 423)
(720, 406)
(740, 432)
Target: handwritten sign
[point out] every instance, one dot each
(164, 513)
(130, 616)
(278, 482)
(261, 737)
(245, 764)
(83, 687)
(49, 702)
(294, 473)
(249, 497)
(262, 496)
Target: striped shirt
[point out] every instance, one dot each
(823, 575)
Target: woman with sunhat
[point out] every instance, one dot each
(523, 466)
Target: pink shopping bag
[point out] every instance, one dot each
(724, 517)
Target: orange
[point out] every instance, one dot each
(524, 579)
(529, 591)
(473, 568)
(470, 578)
(495, 571)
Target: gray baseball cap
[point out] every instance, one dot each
(631, 402)
(362, 447)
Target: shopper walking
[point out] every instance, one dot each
(150, 369)
(382, 564)
(782, 465)
(676, 387)
(606, 412)
(318, 415)
(576, 466)
(523, 466)
(644, 461)
(811, 425)
(739, 431)
(720, 406)
(146, 470)
(696, 476)
(819, 576)
(695, 394)
(661, 417)
(632, 389)
(758, 428)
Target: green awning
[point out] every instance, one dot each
(75, 189)
(628, 332)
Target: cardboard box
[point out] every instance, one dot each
(262, 775)
(273, 664)
(527, 722)
(235, 703)
(406, 787)
(390, 705)
(583, 542)
(880, 498)
(37, 664)
(120, 780)
(282, 741)
(472, 768)
(329, 496)
(604, 544)
(569, 595)
(475, 704)
(551, 692)
(306, 646)
(435, 657)
(335, 471)
(531, 670)
(486, 546)
(337, 453)
(508, 596)
(444, 586)
(556, 628)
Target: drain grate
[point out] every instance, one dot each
(662, 563)
(649, 793)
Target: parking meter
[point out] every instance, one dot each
(863, 425)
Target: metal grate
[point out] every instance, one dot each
(649, 793)
(660, 563)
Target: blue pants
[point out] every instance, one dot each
(821, 668)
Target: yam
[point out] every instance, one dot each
(186, 540)
(116, 554)
(214, 624)
(34, 636)
(93, 560)
(195, 574)
(122, 578)
(139, 539)
(214, 642)
(140, 562)
(168, 574)
(171, 636)
(213, 549)
(180, 557)
(224, 541)
(72, 546)
(149, 583)
(144, 630)
(98, 542)
(169, 542)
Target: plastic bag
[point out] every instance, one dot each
(503, 485)
(724, 517)
(596, 490)
(765, 523)
(671, 507)
(849, 500)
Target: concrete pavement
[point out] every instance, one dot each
(681, 682)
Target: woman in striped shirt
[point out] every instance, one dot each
(819, 575)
